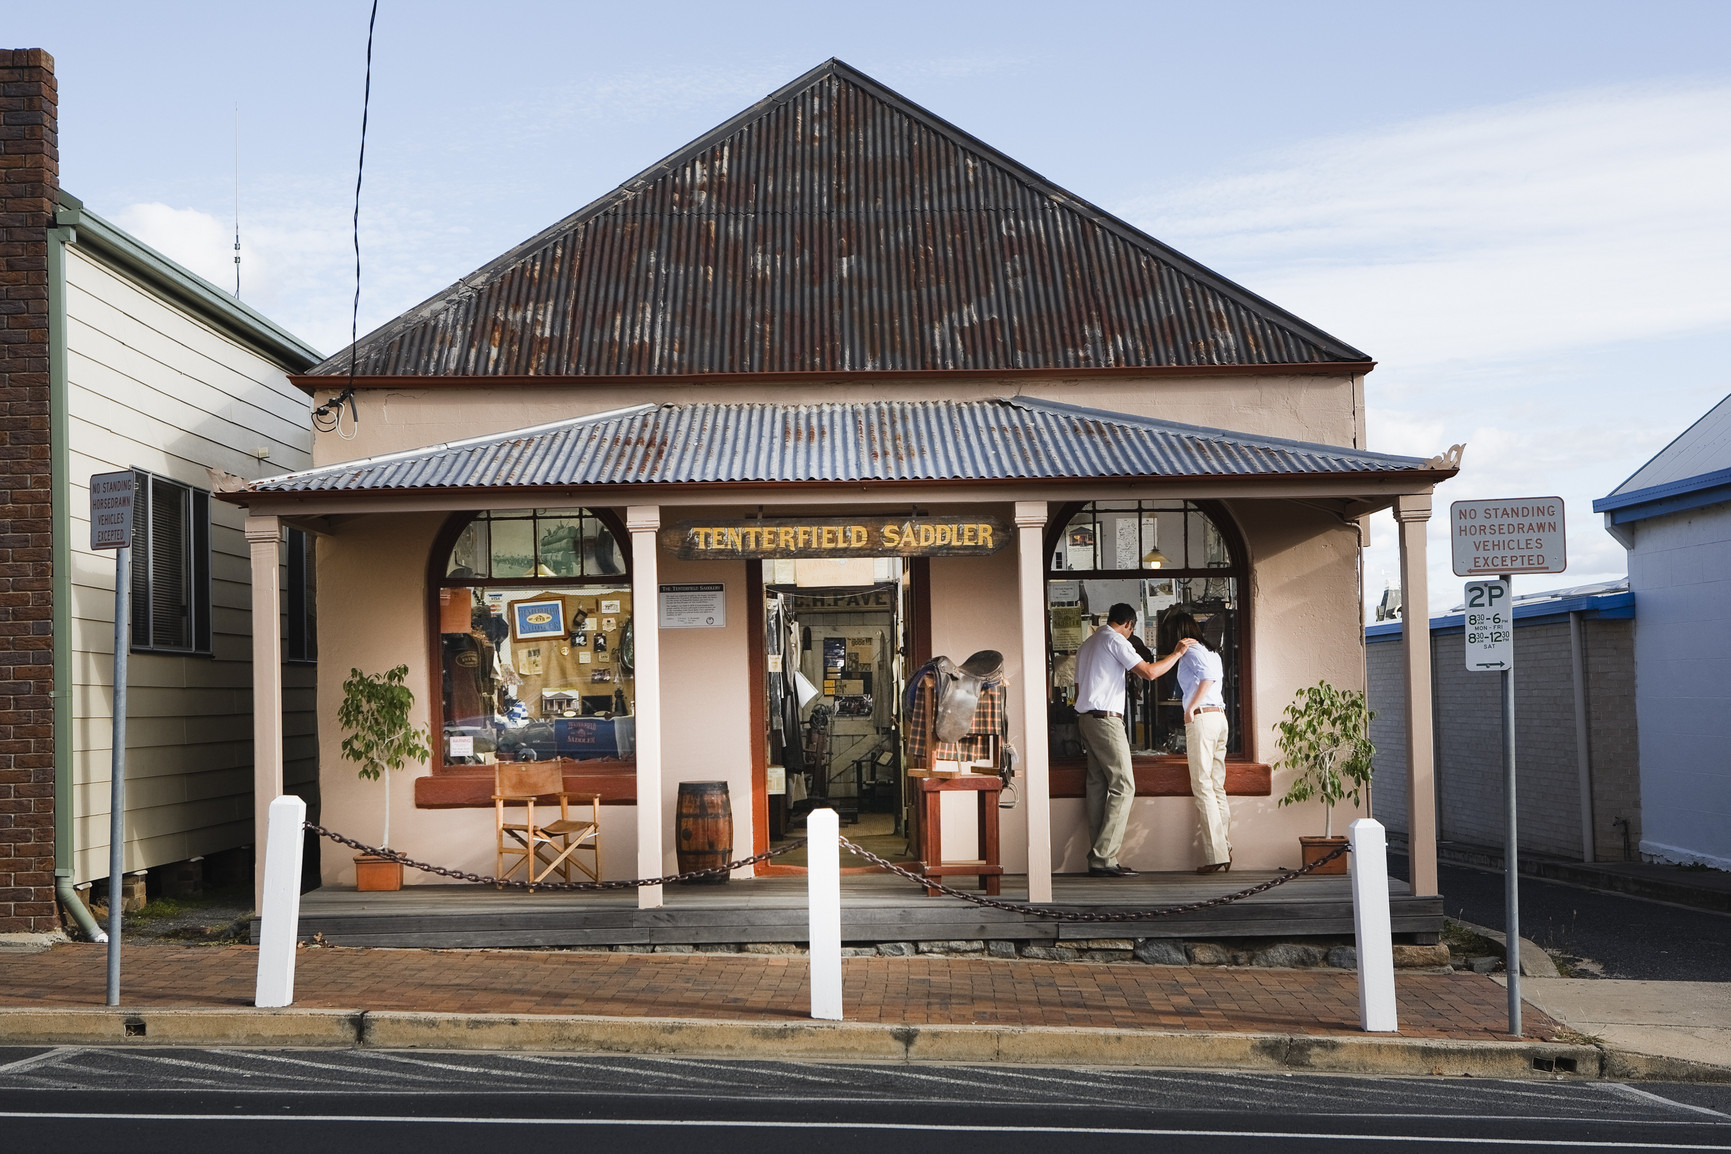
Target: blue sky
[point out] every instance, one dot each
(1517, 208)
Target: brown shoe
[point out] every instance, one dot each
(1216, 867)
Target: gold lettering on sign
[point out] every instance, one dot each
(835, 537)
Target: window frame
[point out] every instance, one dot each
(300, 598)
(195, 555)
(1239, 570)
(438, 578)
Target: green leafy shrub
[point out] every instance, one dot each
(375, 712)
(1324, 736)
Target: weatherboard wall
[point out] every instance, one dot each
(155, 388)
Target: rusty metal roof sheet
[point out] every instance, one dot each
(877, 441)
(837, 227)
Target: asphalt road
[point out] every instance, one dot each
(179, 1100)
(1616, 936)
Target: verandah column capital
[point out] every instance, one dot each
(264, 528)
(1410, 507)
(639, 518)
(1030, 513)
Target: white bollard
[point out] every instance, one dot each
(1371, 927)
(823, 882)
(279, 919)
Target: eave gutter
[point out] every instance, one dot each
(60, 502)
(182, 286)
(312, 383)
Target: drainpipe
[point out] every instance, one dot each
(1583, 755)
(59, 425)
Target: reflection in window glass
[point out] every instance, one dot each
(513, 548)
(1158, 557)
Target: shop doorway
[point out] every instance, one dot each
(838, 649)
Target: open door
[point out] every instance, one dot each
(834, 660)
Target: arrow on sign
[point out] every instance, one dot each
(1490, 665)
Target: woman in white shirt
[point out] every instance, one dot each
(1200, 675)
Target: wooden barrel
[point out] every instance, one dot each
(705, 828)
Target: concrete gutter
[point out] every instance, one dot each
(840, 1041)
(1535, 963)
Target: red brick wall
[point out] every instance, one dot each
(29, 173)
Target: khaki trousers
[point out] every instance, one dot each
(1205, 748)
(1111, 786)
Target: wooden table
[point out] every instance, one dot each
(928, 794)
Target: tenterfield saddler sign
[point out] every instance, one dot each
(837, 537)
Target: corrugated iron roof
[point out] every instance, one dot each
(881, 441)
(837, 227)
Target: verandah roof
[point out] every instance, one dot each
(1015, 439)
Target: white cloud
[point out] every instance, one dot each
(1588, 218)
(1498, 262)
(196, 240)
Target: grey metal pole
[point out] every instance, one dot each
(117, 802)
(1511, 865)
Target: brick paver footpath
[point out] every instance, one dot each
(924, 990)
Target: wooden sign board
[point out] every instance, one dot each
(964, 536)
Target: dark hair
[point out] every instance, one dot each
(1182, 625)
(1121, 614)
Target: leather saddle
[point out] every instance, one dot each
(959, 688)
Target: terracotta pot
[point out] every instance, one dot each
(1314, 848)
(373, 872)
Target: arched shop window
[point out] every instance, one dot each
(1158, 556)
(535, 659)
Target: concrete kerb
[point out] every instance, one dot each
(155, 1026)
(835, 1041)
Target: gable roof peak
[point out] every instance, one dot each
(837, 226)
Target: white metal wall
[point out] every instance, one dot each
(1680, 570)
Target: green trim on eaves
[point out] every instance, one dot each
(60, 590)
(187, 289)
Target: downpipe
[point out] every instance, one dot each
(70, 902)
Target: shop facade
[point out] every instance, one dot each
(786, 403)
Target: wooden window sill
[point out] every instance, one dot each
(471, 786)
(1164, 776)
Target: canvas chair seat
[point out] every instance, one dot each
(529, 835)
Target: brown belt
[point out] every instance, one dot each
(1103, 713)
(1209, 709)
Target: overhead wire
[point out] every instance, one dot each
(328, 417)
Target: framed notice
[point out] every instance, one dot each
(530, 619)
(694, 606)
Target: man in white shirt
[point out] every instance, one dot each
(1101, 663)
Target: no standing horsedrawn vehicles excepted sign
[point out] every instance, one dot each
(111, 528)
(1492, 541)
(1496, 538)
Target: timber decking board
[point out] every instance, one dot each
(874, 908)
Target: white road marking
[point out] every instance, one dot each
(1648, 1096)
(42, 1059)
(650, 1123)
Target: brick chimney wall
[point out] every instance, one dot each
(29, 178)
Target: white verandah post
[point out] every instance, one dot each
(1412, 512)
(643, 521)
(262, 534)
(1031, 586)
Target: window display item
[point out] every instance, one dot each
(537, 619)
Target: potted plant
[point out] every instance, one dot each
(1325, 736)
(375, 712)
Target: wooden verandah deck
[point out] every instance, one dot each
(875, 908)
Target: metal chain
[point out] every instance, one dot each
(1090, 916)
(486, 879)
(919, 879)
